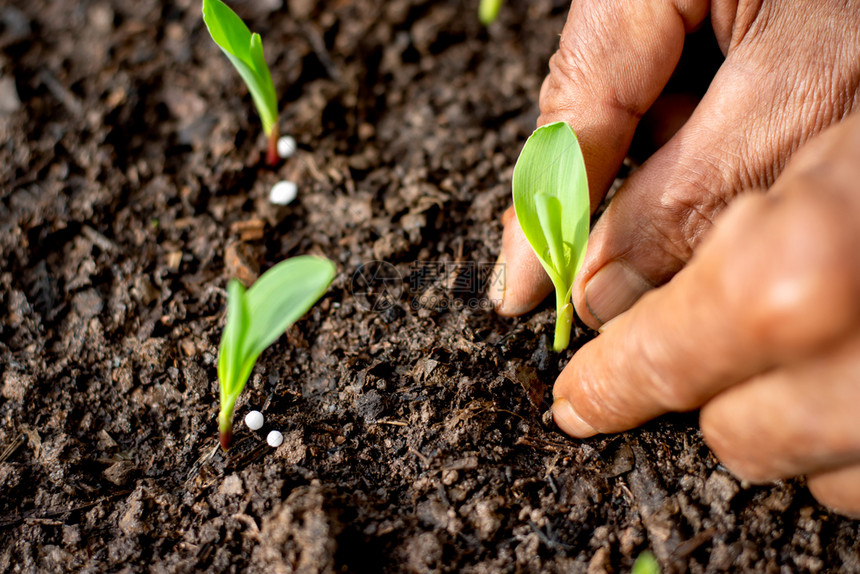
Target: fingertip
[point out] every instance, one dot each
(508, 215)
(839, 490)
(569, 421)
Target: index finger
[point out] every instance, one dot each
(613, 60)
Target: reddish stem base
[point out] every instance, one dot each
(272, 151)
(226, 438)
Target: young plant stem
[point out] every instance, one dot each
(563, 320)
(225, 427)
(272, 151)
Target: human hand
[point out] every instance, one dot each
(761, 330)
(791, 69)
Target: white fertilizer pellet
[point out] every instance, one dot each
(254, 420)
(283, 192)
(275, 439)
(286, 146)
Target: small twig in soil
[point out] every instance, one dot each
(312, 166)
(253, 529)
(689, 546)
(394, 423)
(420, 456)
(47, 516)
(548, 476)
(44, 521)
(247, 458)
(33, 173)
(198, 464)
(318, 45)
(544, 444)
(99, 240)
(60, 92)
(546, 538)
(15, 445)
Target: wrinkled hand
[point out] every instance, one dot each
(763, 328)
(791, 69)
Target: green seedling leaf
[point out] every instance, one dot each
(549, 216)
(488, 11)
(232, 342)
(245, 52)
(646, 563)
(258, 316)
(551, 200)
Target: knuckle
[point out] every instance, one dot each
(694, 206)
(676, 397)
(566, 70)
(684, 212)
(661, 382)
(803, 293)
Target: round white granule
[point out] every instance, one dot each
(286, 146)
(275, 439)
(283, 192)
(254, 420)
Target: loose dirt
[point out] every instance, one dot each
(133, 189)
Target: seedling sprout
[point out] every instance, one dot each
(245, 52)
(646, 563)
(257, 317)
(488, 11)
(551, 201)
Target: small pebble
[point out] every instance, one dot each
(254, 420)
(283, 192)
(286, 146)
(9, 100)
(275, 439)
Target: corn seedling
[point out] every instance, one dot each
(245, 52)
(488, 11)
(551, 200)
(257, 317)
(646, 563)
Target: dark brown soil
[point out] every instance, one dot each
(133, 189)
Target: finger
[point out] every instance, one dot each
(519, 281)
(740, 136)
(613, 60)
(838, 490)
(790, 421)
(777, 282)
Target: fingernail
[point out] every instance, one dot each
(496, 292)
(570, 422)
(602, 329)
(613, 290)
